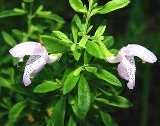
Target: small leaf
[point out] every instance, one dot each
(70, 82)
(108, 77)
(108, 41)
(5, 83)
(18, 10)
(28, 1)
(78, 22)
(40, 8)
(77, 5)
(61, 35)
(17, 109)
(54, 17)
(58, 113)
(106, 118)
(93, 49)
(101, 29)
(77, 54)
(55, 44)
(9, 13)
(117, 101)
(77, 71)
(113, 5)
(72, 120)
(87, 57)
(46, 87)
(84, 99)
(9, 39)
(74, 29)
(91, 69)
(83, 41)
(44, 13)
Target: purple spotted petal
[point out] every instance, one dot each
(33, 66)
(139, 51)
(127, 70)
(28, 48)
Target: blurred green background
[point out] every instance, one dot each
(138, 23)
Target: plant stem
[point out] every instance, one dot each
(145, 96)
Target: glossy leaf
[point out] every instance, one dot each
(77, 5)
(17, 109)
(108, 77)
(70, 82)
(117, 101)
(58, 114)
(84, 99)
(91, 69)
(61, 35)
(9, 13)
(54, 17)
(101, 29)
(113, 5)
(77, 53)
(46, 87)
(54, 44)
(93, 49)
(108, 41)
(106, 118)
(83, 41)
(9, 39)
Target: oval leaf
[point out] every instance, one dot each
(108, 77)
(9, 13)
(93, 49)
(77, 5)
(70, 82)
(55, 45)
(16, 109)
(46, 87)
(113, 5)
(84, 99)
(8, 38)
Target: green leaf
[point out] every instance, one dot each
(54, 17)
(101, 29)
(61, 35)
(93, 49)
(55, 45)
(108, 41)
(44, 13)
(78, 22)
(83, 41)
(46, 87)
(104, 51)
(17, 109)
(5, 83)
(108, 77)
(77, 5)
(77, 53)
(28, 1)
(70, 82)
(58, 114)
(91, 69)
(77, 71)
(87, 57)
(74, 29)
(117, 101)
(84, 99)
(9, 13)
(113, 5)
(106, 118)
(9, 39)
(72, 120)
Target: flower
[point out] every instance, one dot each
(38, 58)
(127, 68)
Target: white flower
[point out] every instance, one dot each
(38, 58)
(127, 68)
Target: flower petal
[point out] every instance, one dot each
(139, 51)
(52, 59)
(34, 65)
(127, 70)
(28, 48)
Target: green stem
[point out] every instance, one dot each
(145, 97)
(88, 16)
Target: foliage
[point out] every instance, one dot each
(76, 90)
